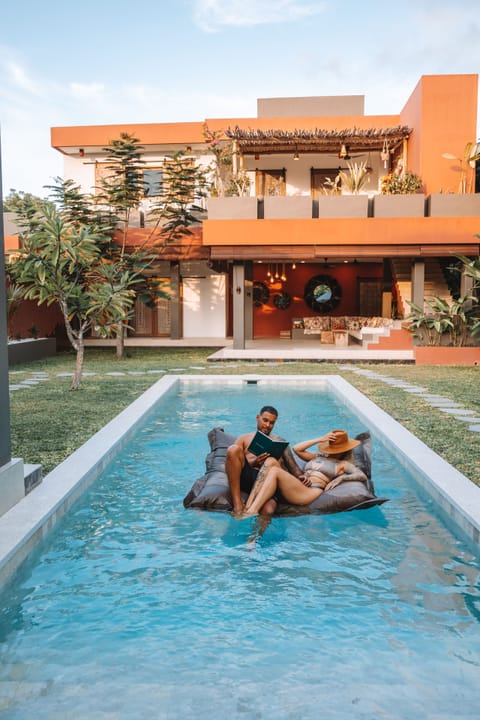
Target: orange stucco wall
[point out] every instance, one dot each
(268, 321)
(442, 111)
(11, 242)
(149, 134)
(30, 315)
(192, 132)
(343, 231)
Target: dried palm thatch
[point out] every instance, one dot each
(267, 142)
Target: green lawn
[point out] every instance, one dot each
(49, 421)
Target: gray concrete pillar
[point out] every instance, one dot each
(238, 280)
(418, 282)
(249, 300)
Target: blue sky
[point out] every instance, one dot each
(112, 61)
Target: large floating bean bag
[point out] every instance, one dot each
(211, 491)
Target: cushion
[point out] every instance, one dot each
(314, 325)
(339, 323)
(211, 491)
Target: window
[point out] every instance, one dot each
(152, 182)
(322, 181)
(270, 182)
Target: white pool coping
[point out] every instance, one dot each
(25, 524)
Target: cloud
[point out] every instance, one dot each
(19, 78)
(212, 15)
(82, 91)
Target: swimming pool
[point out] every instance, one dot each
(133, 607)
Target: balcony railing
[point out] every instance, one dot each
(352, 206)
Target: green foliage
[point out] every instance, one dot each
(14, 300)
(75, 206)
(441, 318)
(404, 184)
(332, 186)
(178, 209)
(356, 178)
(226, 181)
(17, 199)
(471, 267)
(122, 190)
(59, 262)
(470, 157)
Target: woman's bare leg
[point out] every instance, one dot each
(294, 491)
(262, 491)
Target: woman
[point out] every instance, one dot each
(324, 470)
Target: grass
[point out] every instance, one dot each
(48, 421)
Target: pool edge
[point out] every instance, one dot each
(25, 524)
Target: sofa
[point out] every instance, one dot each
(339, 329)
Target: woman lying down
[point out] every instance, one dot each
(323, 471)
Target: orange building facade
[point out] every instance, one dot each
(288, 250)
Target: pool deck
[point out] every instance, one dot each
(25, 524)
(280, 349)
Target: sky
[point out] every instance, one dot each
(110, 62)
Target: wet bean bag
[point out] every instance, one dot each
(211, 491)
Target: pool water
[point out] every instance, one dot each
(134, 607)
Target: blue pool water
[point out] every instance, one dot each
(134, 607)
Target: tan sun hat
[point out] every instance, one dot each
(341, 444)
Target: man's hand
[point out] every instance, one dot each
(259, 460)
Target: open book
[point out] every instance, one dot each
(262, 443)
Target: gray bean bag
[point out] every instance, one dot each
(211, 491)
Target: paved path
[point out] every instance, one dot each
(443, 404)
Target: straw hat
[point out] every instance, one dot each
(341, 444)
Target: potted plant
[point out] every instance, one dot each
(350, 203)
(400, 196)
(357, 176)
(445, 332)
(401, 184)
(464, 202)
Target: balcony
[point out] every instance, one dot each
(344, 206)
(342, 226)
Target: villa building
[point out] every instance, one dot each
(296, 253)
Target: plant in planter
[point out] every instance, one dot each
(332, 186)
(471, 153)
(442, 321)
(357, 176)
(471, 267)
(226, 181)
(404, 184)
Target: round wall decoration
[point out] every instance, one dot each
(282, 300)
(261, 293)
(322, 293)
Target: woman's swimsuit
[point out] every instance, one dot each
(323, 466)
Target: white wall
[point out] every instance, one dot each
(81, 170)
(204, 313)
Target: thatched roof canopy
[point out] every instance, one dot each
(269, 142)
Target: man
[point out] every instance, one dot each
(242, 466)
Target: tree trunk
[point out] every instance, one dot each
(120, 342)
(77, 376)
